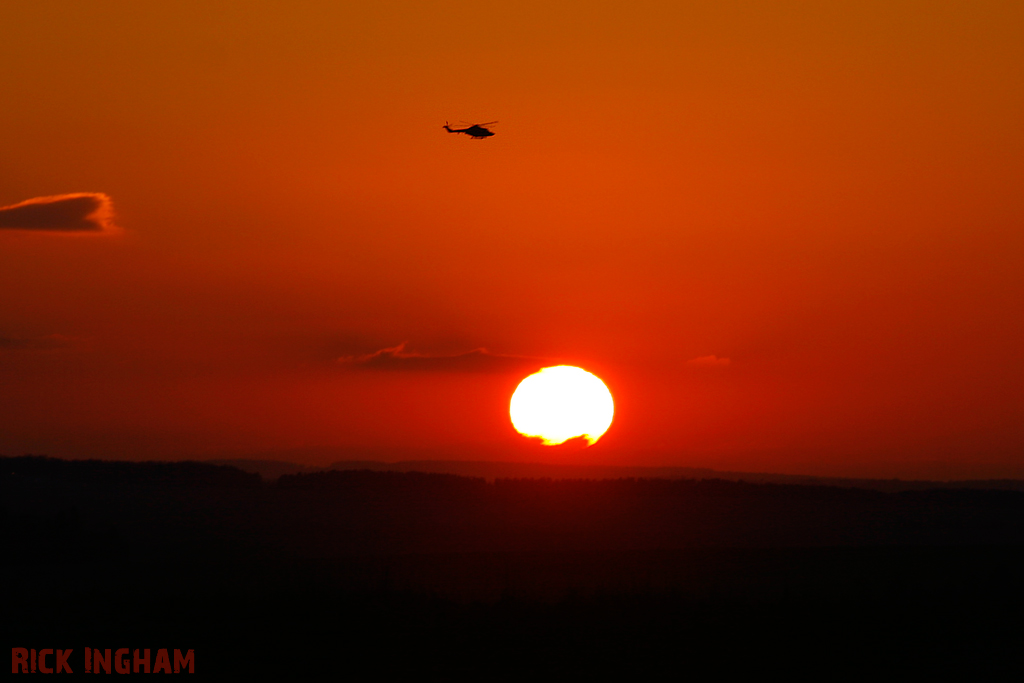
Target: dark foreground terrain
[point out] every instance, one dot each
(432, 576)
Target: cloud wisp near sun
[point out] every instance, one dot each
(397, 358)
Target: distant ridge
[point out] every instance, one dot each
(271, 470)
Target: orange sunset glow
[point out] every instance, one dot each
(788, 236)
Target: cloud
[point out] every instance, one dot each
(709, 362)
(47, 343)
(477, 360)
(78, 212)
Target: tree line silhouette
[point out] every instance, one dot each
(413, 572)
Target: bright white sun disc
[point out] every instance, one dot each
(560, 403)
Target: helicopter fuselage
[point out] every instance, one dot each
(475, 131)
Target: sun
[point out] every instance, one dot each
(560, 403)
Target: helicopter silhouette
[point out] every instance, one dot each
(477, 131)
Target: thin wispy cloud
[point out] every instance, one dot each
(397, 358)
(80, 212)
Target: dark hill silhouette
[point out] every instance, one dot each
(268, 470)
(271, 469)
(465, 514)
(183, 473)
(447, 576)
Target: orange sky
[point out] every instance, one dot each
(829, 195)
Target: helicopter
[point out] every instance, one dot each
(477, 131)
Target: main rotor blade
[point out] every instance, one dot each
(489, 123)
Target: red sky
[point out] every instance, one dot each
(828, 195)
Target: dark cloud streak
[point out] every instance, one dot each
(396, 358)
(78, 212)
